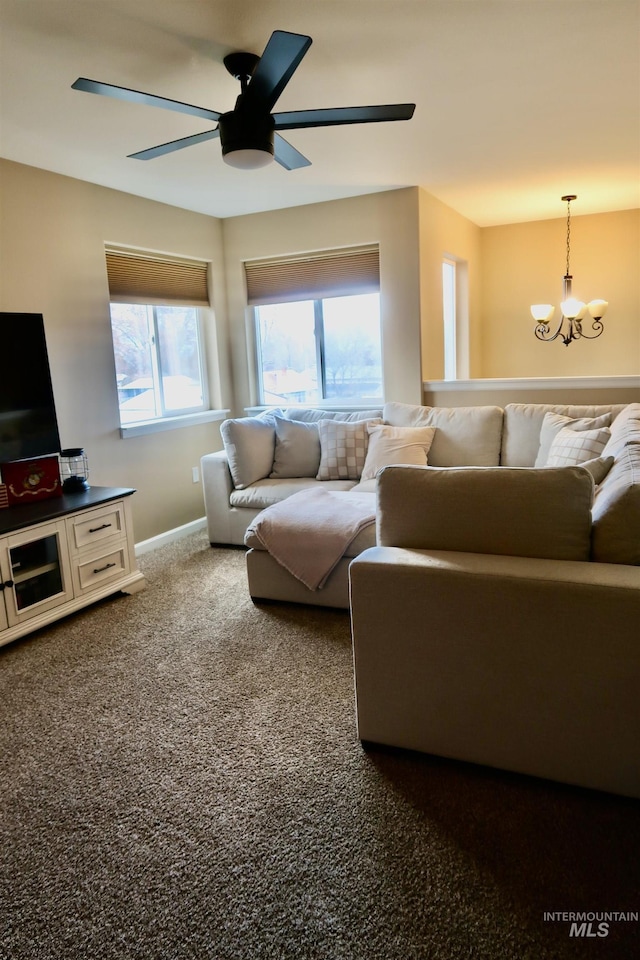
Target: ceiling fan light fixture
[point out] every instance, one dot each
(247, 140)
(247, 159)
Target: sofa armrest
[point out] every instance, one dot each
(217, 487)
(525, 664)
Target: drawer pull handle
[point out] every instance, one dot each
(103, 526)
(106, 567)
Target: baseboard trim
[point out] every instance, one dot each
(169, 536)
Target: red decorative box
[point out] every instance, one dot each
(29, 480)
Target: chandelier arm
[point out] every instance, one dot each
(597, 325)
(543, 332)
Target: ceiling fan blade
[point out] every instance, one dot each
(287, 156)
(136, 96)
(335, 116)
(276, 66)
(164, 148)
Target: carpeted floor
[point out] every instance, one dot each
(180, 778)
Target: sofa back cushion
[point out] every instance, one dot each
(523, 424)
(542, 513)
(616, 508)
(465, 436)
(249, 443)
(310, 415)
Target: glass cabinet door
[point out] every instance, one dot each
(38, 571)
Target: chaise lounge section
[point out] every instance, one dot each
(484, 630)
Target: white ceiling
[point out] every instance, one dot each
(518, 101)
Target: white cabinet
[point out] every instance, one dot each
(82, 551)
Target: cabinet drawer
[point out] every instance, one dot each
(92, 573)
(99, 525)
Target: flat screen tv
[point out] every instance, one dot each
(28, 424)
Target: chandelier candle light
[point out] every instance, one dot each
(573, 310)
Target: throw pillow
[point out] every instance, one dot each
(343, 449)
(598, 468)
(553, 423)
(297, 452)
(572, 447)
(249, 443)
(399, 445)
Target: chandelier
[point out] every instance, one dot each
(573, 311)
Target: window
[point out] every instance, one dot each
(449, 318)
(158, 361)
(455, 315)
(156, 329)
(318, 332)
(315, 350)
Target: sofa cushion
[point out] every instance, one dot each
(297, 449)
(515, 511)
(310, 415)
(570, 447)
(263, 493)
(387, 445)
(465, 436)
(616, 510)
(553, 423)
(249, 443)
(625, 428)
(343, 449)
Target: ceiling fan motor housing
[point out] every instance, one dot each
(246, 130)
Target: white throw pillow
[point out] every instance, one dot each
(343, 449)
(553, 423)
(297, 452)
(396, 445)
(573, 447)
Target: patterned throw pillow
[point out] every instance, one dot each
(572, 447)
(553, 423)
(343, 449)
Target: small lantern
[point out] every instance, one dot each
(74, 470)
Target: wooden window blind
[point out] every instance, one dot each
(332, 273)
(144, 278)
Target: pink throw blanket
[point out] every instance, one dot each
(309, 532)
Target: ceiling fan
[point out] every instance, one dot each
(249, 134)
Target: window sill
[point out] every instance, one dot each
(145, 427)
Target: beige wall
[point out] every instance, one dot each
(524, 263)
(445, 233)
(52, 235)
(390, 219)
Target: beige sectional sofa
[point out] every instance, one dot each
(269, 458)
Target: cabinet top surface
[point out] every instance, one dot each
(27, 515)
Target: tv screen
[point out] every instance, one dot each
(28, 424)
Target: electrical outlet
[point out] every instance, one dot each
(195, 474)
